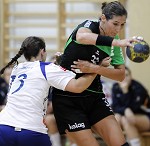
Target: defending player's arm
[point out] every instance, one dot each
(117, 73)
(63, 79)
(80, 84)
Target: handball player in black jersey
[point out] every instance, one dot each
(78, 115)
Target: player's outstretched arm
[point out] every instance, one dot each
(80, 84)
(117, 73)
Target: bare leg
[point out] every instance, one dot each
(131, 132)
(52, 130)
(142, 122)
(110, 131)
(83, 138)
(51, 123)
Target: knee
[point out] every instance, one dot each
(130, 116)
(131, 120)
(126, 124)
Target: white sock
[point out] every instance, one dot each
(73, 144)
(135, 142)
(55, 139)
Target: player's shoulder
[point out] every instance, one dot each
(88, 23)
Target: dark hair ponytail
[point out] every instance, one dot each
(13, 60)
(30, 48)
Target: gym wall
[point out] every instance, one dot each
(138, 24)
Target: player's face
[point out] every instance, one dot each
(113, 26)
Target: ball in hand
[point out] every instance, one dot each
(139, 53)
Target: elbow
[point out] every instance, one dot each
(79, 90)
(121, 75)
(80, 38)
(75, 89)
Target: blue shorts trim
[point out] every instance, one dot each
(10, 136)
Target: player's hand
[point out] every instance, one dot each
(138, 38)
(127, 42)
(82, 66)
(106, 62)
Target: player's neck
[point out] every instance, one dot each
(34, 59)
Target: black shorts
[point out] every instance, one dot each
(78, 113)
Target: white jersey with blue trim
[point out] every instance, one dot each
(27, 98)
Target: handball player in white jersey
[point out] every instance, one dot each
(22, 119)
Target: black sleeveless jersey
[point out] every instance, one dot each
(74, 51)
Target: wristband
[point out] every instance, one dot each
(104, 40)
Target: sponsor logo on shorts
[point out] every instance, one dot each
(75, 126)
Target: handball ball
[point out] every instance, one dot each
(139, 53)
